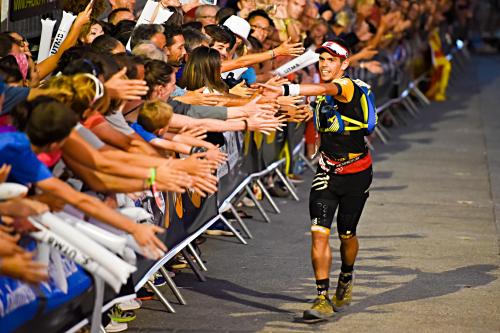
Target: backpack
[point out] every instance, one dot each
(328, 119)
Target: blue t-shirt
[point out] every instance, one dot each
(15, 149)
(148, 136)
(12, 97)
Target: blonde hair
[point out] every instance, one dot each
(154, 115)
(365, 2)
(78, 92)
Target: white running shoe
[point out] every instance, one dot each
(113, 326)
(133, 304)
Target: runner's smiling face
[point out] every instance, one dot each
(330, 67)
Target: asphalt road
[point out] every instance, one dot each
(429, 257)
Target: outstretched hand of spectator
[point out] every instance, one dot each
(122, 4)
(121, 88)
(289, 49)
(266, 124)
(254, 107)
(21, 266)
(216, 155)
(367, 53)
(374, 67)
(171, 179)
(84, 16)
(145, 236)
(8, 245)
(205, 185)
(197, 165)
(243, 91)
(197, 132)
(197, 97)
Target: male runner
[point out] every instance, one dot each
(343, 177)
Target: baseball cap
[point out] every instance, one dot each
(239, 26)
(335, 49)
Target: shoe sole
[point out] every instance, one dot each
(316, 315)
(160, 284)
(341, 307)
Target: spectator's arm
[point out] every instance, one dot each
(285, 49)
(171, 146)
(111, 136)
(48, 65)
(144, 234)
(102, 182)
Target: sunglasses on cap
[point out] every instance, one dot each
(99, 88)
(334, 49)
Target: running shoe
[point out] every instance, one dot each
(279, 191)
(120, 316)
(343, 294)
(321, 309)
(247, 202)
(144, 295)
(159, 280)
(113, 327)
(219, 229)
(294, 179)
(133, 304)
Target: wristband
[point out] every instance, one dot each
(273, 55)
(294, 89)
(152, 177)
(286, 90)
(246, 124)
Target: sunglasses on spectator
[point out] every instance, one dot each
(99, 88)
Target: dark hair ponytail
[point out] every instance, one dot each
(44, 120)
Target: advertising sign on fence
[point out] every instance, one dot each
(22, 9)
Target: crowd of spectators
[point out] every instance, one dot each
(126, 109)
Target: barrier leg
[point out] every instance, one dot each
(233, 230)
(380, 135)
(191, 264)
(240, 220)
(400, 115)
(408, 108)
(388, 113)
(172, 286)
(307, 162)
(197, 257)
(268, 196)
(413, 105)
(160, 296)
(287, 184)
(369, 144)
(385, 131)
(95, 324)
(420, 95)
(257, 204)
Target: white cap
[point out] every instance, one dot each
(239, 26)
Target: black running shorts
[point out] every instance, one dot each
(346, 192)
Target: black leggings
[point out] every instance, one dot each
(347, 192)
